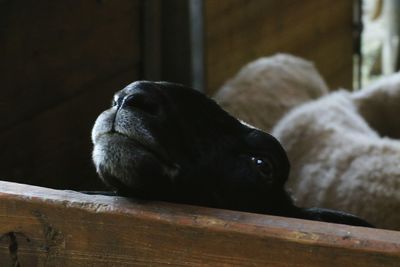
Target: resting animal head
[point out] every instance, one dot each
(163, 141)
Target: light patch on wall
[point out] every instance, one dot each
(380, 39)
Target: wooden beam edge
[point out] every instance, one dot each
(368, 240)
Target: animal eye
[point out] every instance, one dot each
(264, 167)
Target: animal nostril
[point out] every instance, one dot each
(141, 102)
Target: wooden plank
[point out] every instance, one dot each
(176, 61)
(173, 41)
(152, 39)
(51, 50)
(56, 142)
(196, 8)
(238, 31)
(61, 62)
(45, 227)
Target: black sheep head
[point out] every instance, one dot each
(163, 141)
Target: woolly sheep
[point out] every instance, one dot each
(345, 152)
(265, 89)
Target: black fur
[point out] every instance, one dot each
(163, 141)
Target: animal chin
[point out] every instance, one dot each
(110, 134)
(134, 157)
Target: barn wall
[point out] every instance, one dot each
(62, 60)
(60, 63)
(238, 31)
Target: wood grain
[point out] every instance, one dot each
(238, 31)
(56, 143)
(51, 50)
(61, 62)
(48, 227)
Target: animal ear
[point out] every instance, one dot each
(326, 215)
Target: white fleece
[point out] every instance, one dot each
(344, 150)
(265, 89)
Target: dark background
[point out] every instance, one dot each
(61, 61)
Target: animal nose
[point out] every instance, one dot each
(141, 101)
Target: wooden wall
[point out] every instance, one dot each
(60, 62)
(238, 31)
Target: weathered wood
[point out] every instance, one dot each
(60, 63)
(56, 143)
(152, 39)
(51, 51)
(173, 41)
(238, 31)
(45, 227)
(62, 60)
